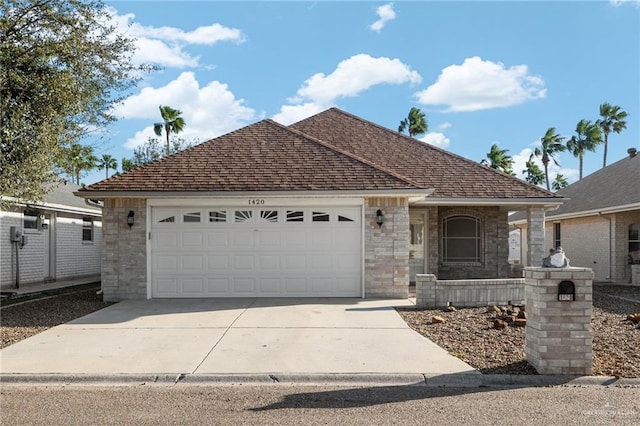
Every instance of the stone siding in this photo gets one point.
(124, 255)
(386, 248)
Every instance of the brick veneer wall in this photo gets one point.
(558, 335)
(432, 293)
(124, 255)
(386, 248)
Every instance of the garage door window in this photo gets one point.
(170, 219)
(191, 217)
(269, 216)
(344, 219)
(295, 216)
(320, 217)
(218, 216)
(243, 216)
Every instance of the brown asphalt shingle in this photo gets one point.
(265, 156)
(330, 151)
(452, 176)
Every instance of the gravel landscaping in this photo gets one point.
(467, 333)
(22, 320)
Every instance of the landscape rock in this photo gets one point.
(519, 322)
(450, 309)
(499, 324)
(522, 315)
(437, 319)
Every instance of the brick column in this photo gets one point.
(559, 339)
(535, 236)
(425, 291)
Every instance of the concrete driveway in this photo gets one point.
(208, 337)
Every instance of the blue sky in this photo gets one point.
(483, 72)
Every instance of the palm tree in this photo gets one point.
(172, 123)
(532, 172)
(587, 138)
(499, 160)
(77, 159)
(560, 182)
(415, 123)
(551, 145)
(107, 162)
(612, 121)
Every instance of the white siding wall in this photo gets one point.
(74, 256)
(7, 219)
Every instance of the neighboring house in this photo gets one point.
(598, 226)
(63, 239)
(514, 246)
(332, 206)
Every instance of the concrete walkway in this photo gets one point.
(202, 338)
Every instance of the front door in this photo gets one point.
(417, 246)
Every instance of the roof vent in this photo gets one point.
(632, 152)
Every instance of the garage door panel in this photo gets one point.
(320, 240)
(244, 286)
(248, 252)
(270, 286)
(217, 239)
(219, 263)
(270, 263)
(192, 240)
(193, 286)
(193, 263)
(167, 240)
(244, 262)
(295, 262)
(218, 286)
(165, 263)
(269, 240)
(243, 239)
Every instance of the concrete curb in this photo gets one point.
(465, 380)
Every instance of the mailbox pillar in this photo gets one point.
(559, 338)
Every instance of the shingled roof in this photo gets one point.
(613, 188)
(330, 151)
(265, 156)
(450, 175)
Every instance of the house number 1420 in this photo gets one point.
(256, 202)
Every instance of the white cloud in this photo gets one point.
(208, 111)
(444, 126)
(477, 85)
(386, 14)
(350, 78)
(617, 3)
(164, 46)
(436, 139)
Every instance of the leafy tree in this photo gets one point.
(107, 162)
(62, 67)
(560, 182)
(172, 123)
(415, 123)
(551, 145)
(612, 120)
(499, 160)
(152, 151)
(76, 161)
(127, 164)
(587, 138)
(533, 173)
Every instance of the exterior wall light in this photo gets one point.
(379, 217)
(130, 219)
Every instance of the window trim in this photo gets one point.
(90, 227)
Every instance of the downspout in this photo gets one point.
(610, 261)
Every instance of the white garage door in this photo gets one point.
(264, 252)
